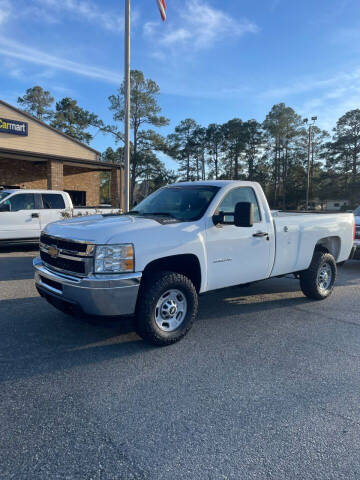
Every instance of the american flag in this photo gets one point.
(162, 8)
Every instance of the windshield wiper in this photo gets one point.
(151, 214)
(158, 214)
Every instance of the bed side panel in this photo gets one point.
(297, 235)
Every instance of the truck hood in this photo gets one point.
(103, 229)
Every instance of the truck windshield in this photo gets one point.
(357, 212)
(184, 203)
(3, 195)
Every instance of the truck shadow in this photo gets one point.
(19, 248)
(349, 273)
(16, 262)
(36, 339)
(16, 268)
(256, 298)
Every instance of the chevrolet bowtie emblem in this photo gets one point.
(53, 252)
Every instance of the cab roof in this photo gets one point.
(214, 183)
(25, 190)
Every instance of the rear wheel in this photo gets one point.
(166, 309)
(318, 281)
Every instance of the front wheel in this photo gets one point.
(167, 308)
(318, 280)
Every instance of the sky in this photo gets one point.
(213, 60)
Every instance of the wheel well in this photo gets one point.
(186, 264)
(330, 245)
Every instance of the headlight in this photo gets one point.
(114, 258)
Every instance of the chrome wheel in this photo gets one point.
(170, 310)
(324, 277)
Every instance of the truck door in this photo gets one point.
(237, 255)
(19, 217)
(52, 206)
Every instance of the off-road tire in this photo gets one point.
(309, 278)
(150, 293)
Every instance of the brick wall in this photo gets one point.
(21, 173)
(34, 175)
(82, 179)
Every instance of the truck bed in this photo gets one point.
(298, 233)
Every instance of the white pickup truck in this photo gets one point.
(24, 213)
(181, 241)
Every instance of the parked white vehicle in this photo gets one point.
(181, 241)
(25, 213)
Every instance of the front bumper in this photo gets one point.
(104, 295)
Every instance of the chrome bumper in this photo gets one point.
(105, 295)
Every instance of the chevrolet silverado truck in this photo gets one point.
(24, 213)
(181, 241)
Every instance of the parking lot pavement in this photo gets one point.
(265, 386)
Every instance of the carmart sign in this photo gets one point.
(14, 127)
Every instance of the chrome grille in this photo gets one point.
(67, 256)
(70, 246)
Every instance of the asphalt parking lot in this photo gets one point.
(265, 386)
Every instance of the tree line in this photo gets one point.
(273, 152)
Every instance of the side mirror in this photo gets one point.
(244, 214)
(5, 207)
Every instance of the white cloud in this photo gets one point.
(55, 11)
(306, 85)
(12, 49)
(85, 9)
(5, 10)
(199, 27)
(13, 69)
(177, 36)
(330, 106)
(343, 80)
(328, 98)
(207, 24)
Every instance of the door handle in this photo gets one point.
(260, 234)
(34, 215)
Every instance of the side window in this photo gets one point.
(53, 201)
(22, 201)
(241, 194)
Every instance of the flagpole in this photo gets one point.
(127, 104)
